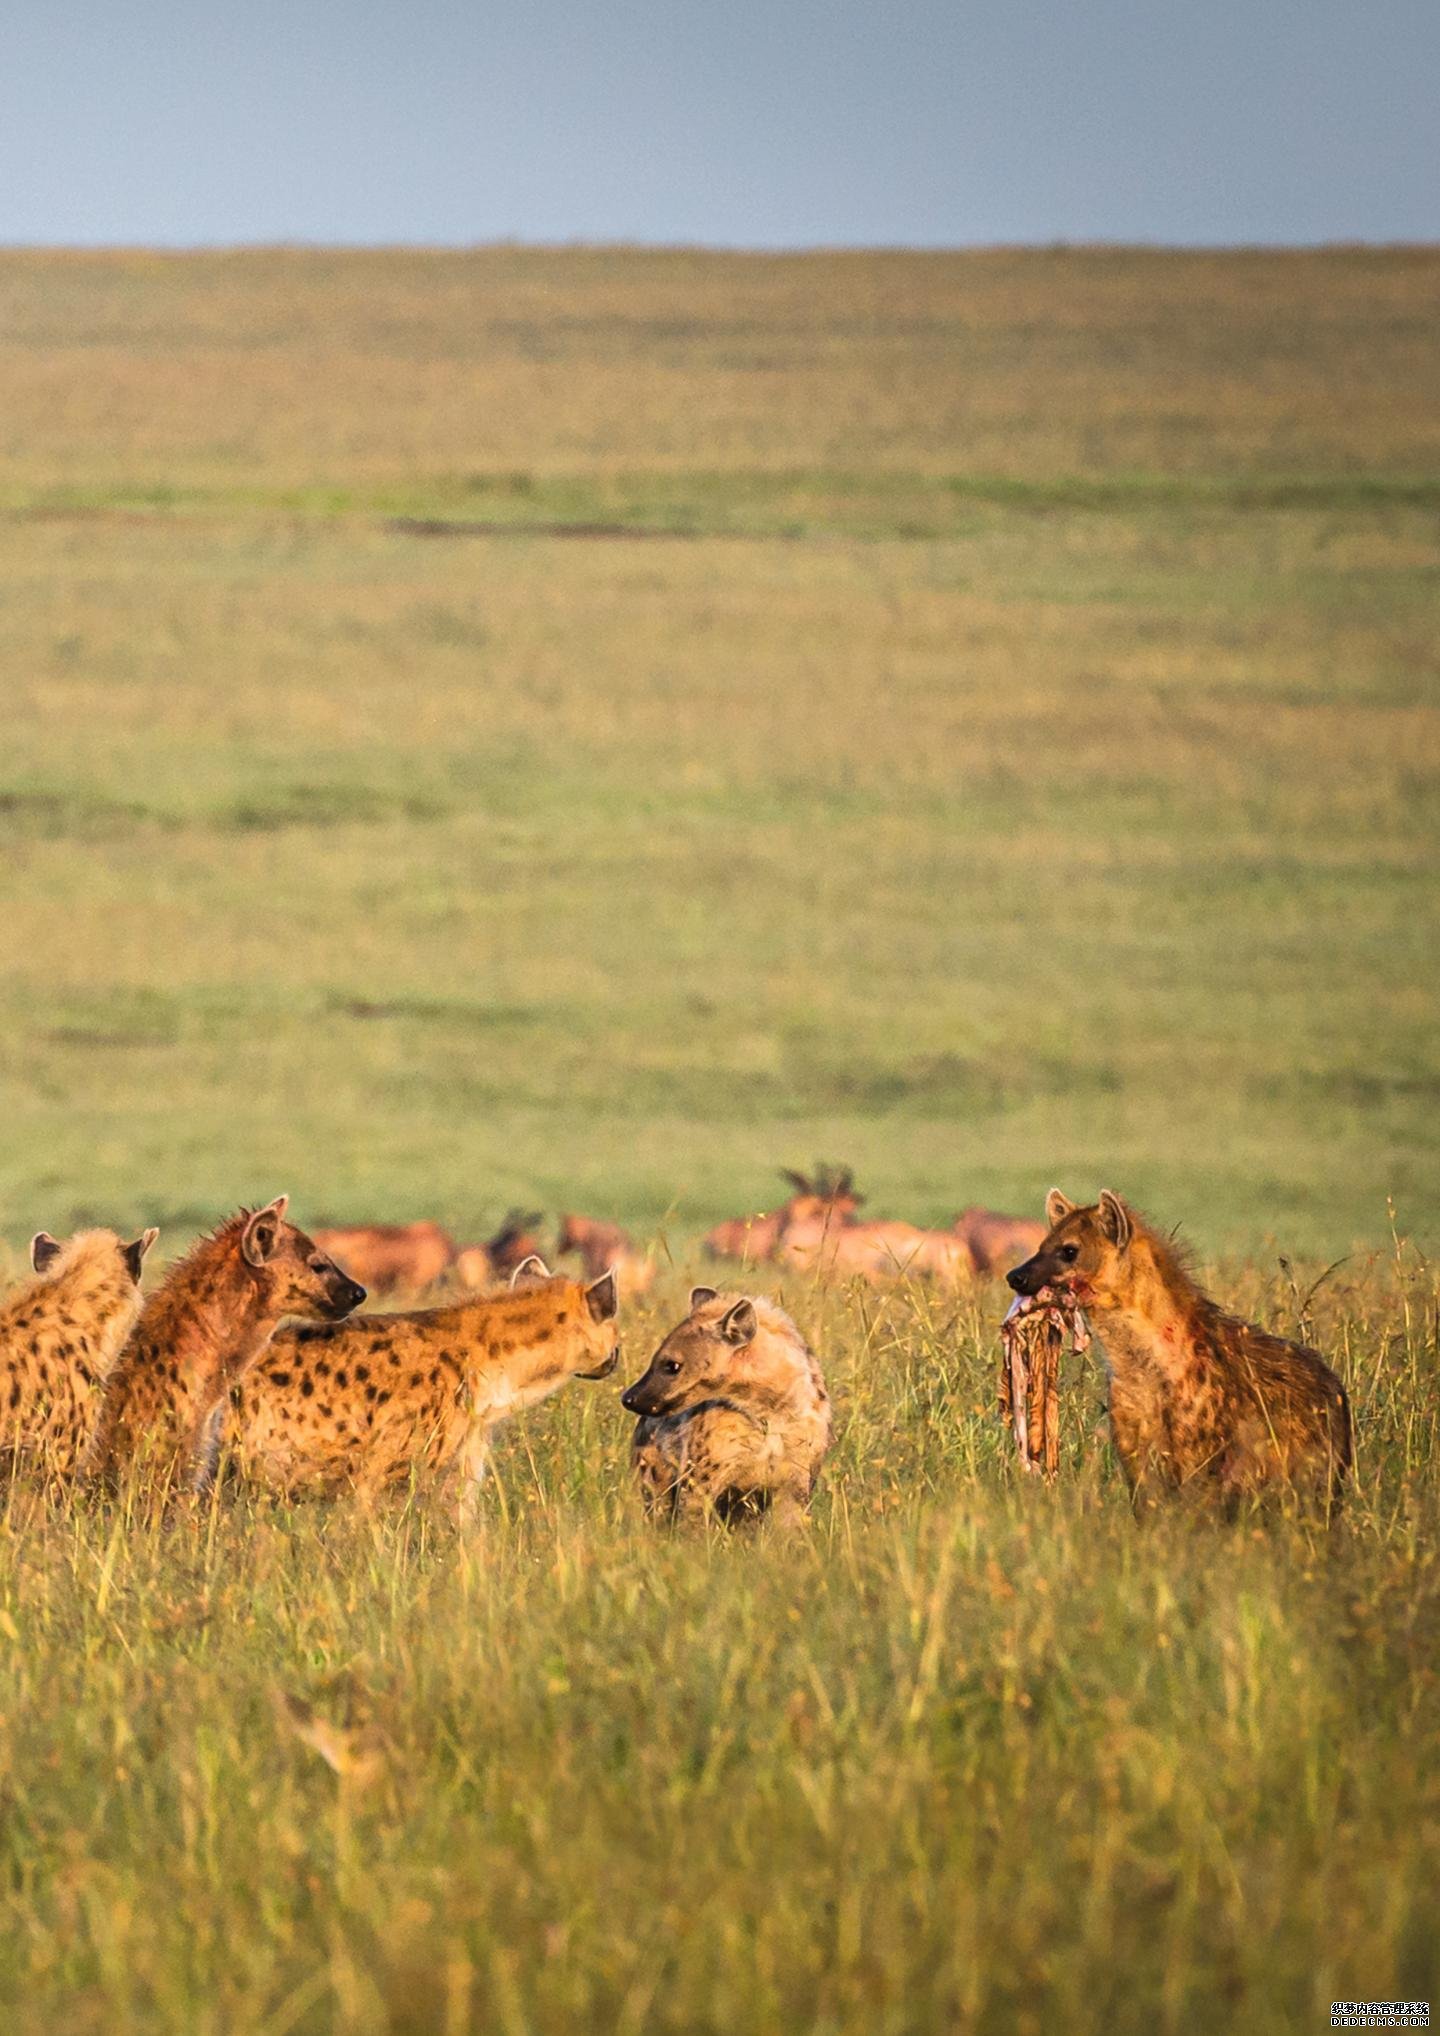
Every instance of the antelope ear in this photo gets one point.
(602, 1297)
(1058, 1207)
(1114, 1219)
(739, 1324)
(44, 1250)
(699, 1296)
(262, 1233)
(797, 1181)
(531, 1268)
(134, 1252)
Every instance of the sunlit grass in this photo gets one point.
(969, 1752)
(327, 371)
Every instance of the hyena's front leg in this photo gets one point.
(471, 1467)
(790, 1506)
(658, 1481)
(1149, 1487)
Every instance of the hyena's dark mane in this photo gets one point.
(1174, 1261)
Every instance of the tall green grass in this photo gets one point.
(969, 1754)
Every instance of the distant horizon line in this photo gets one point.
(776, 250)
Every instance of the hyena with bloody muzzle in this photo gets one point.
(1200, 1401)
(734, 1415)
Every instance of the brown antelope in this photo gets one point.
(997, 1242)
(515, 1241)
(387, 1256)
(605, 1247)
(756, 1239)
(878, 1252)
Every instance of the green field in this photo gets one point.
(587, 729)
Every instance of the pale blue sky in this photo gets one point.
(756, 123)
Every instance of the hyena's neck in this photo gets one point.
(781, 1372)
(1158, 1323)
(790, 1393)
(519, 1354)
(94, 1306)
(523, 1359)
(203, 1328)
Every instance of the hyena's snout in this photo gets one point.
(644, 1397)
(344, 1296)
(1028, 1278)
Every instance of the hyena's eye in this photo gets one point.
(670, 1366)
(1069, 1252)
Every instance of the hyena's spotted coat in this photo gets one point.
(197, 1334)
(60, 1334)
(1200, 1401)
(369, 1403)
(734, 1415)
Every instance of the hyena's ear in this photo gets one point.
(44, 1250)
(531, 1268)
(1058, 1207)
(739, 1324)
(262, 1233)
(134, 1252)
(699, 1296)
(1114, 1219)
(797, 1181)
(602, 1297)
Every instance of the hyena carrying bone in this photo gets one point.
(1200, 1401)
(369, 1402)
(734, 1416)
(198, 1334)
(60, 1334)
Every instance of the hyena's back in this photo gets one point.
(1292, 1415)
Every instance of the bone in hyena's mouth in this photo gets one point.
(1035, 1331)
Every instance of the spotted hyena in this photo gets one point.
(198, 1334)
(1199, 1400)
(368, 1403)
(60, 1334)
(734, 1416)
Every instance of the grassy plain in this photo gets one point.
(965, 1757)
(531, 727)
